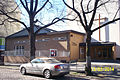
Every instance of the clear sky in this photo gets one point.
(46, 15)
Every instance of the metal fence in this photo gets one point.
(38, 53)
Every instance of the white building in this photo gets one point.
(107, 34)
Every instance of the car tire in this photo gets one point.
(47, 74)
(23, 71)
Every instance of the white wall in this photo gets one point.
(110, 33)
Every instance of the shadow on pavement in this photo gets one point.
(69, 78)
(108, 74)
(58, 77)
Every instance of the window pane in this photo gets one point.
(105, 52)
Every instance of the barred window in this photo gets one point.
(59, 38)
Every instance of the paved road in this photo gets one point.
(14, 74)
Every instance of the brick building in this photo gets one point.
(63, 45)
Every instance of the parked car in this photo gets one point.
(47, 67)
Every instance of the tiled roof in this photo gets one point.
(24, 32)
(46, 31)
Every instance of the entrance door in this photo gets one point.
(104, 52)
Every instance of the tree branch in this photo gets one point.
(31, 7)
(41, 7)
(105, 24)
(84, 16)
(26, 7)
(116, 13)
(94, 12)
(36, 4)
(97, 7)
(14, 9)
(14, 19)
(73, 3)
(53, 22)
(26, 3)
(81, 21)
(3, 21)
(88, 5)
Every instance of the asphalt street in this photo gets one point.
(14, 74)
(9, 72)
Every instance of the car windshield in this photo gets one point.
(51, 61)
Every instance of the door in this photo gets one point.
(37, 66)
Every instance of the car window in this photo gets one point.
(51, 61)
(37, 61)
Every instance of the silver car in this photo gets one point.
(47, 67)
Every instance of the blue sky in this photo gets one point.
(46, 15)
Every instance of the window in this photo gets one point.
(37, 61)
(36, 40)
(22, 47)
(81, 50)
(19, 50)
(18, 42)
(99, 54)
(110, 52)
(21, 42)
(17, 47)
(105, 52)
(95, 52)
(59, 38)
(53, 52)
(56, 38)
(39, 40)
(46, 39)
(51, 61)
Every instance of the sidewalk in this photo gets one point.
(80, 66)
(9, 67)
(12, 66)
(80, 72)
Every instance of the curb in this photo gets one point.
(10, 67)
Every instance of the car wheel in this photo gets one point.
(23, 71)
(47, 74)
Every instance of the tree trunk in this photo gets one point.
(88, 58)
(32, 39)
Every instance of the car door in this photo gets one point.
(32, 67)
(37, 66)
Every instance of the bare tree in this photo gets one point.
(33, 8)
(84, 9)
(5, 25)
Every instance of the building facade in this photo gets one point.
(62, 45)
(65, 45)
(106, 40)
